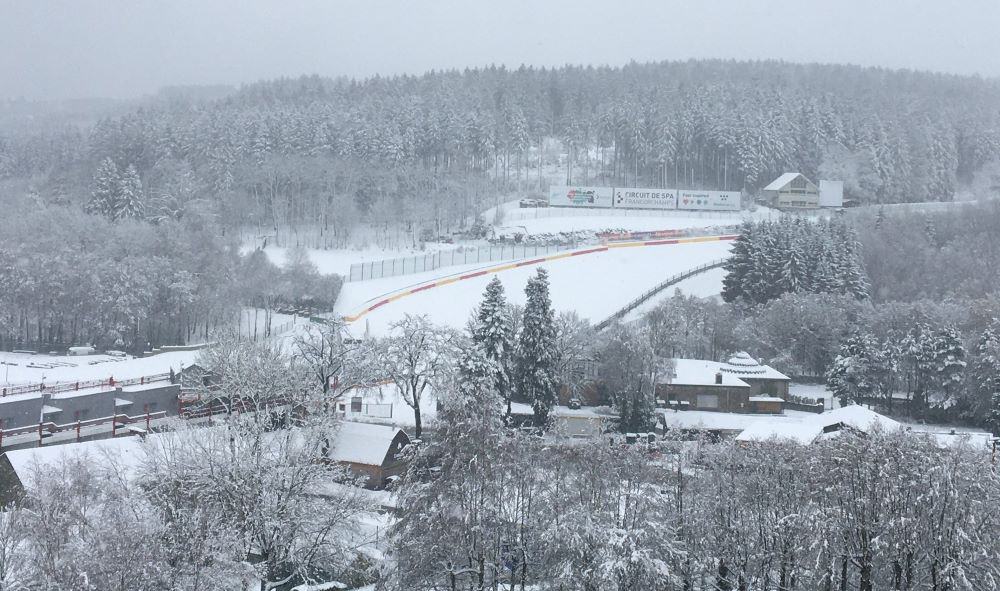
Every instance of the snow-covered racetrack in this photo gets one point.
(594, 285)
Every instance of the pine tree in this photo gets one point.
(536, 348)
(130, 200)
(986, 376)
(627, 370)
(493, 333)
(995, 408)
(739, 264)
(104, 199)
(864, 370)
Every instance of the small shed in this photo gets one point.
(370, 450)
(767, 404)
(792, 190)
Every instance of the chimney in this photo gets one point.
(718, 378)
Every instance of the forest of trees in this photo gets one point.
(71, 278)
(484, 509)
(919, 339)
(434, 149)
(793, 255)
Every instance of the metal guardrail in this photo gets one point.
(657, 289)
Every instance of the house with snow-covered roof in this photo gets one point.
(370, 450)
(740, 384)
(792, 190)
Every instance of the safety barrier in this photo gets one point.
(657, 289)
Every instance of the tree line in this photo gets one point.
(913, 345)
(331, 153)
(793, 255)
(70, 278)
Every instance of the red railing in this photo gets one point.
(57, 387)
(47, 429)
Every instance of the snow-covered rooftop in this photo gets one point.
(360, 443)
(701, 372)
(745, 366)
(363, 443)
(125, 452)
(807, 430)
(780, 182)
(800, 432)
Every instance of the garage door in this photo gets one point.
(708, 401)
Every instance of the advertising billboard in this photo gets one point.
(710, 200)
(646, 198)
(561, 196)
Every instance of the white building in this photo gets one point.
(792, 190)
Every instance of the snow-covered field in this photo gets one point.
(21, 368)
(544, 225)
(703, 285)
(594, 285)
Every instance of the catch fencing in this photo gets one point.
(462, 256)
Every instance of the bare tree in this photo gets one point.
(336, 360)
(14, 550)
(415, 356)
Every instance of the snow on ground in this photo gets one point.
(22, 368)
(814, 391)
(702, 285)
(384, 405)
(725, 421)
(560, 219)
(550, 224)
(594, 285)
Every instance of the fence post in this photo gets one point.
(78, 429)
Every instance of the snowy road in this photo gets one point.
(594, 284)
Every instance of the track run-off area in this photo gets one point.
(594, 282)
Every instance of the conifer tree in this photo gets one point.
(536, 349)
(129, 203)
(104, 199)
(492, 332)
(986, 374)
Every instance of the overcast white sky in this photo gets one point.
(127, 48)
